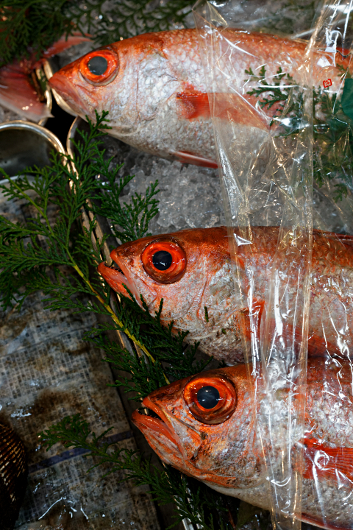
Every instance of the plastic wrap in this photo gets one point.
(280, 109)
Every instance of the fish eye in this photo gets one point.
(100, 67)
(97, 65)
(164, 261)
(210, 399)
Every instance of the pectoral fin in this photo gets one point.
(189, 158)
(234, 107)
(322, 461)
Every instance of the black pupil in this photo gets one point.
(208, 397)
(97, 65)
(162, 260)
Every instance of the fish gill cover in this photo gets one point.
(304, 103)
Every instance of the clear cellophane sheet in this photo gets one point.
(281, 98)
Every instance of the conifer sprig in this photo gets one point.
(172, 359)
(333, 141)
(276, 94)
(24, 257)
(130, 221)
(126, 18)
(333, 125)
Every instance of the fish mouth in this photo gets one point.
(117, 277)
(155, 428)
(65, 89)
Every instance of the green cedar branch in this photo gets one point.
(133, 219)
(279, 96)
(333, 124)
(172, 359)
(21, 249)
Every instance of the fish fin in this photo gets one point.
(16, 91)
(249, 321)
(322, 523)
(319, 346)
(192, 105)
(346, 239)
(188, 158)
(325, 462)
(17, 94)
(241, 109)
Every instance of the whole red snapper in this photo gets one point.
(205, 427)
(193, 273)
(153, 87)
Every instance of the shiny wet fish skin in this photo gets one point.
(156, 94)
(206, 280)
(221, 447)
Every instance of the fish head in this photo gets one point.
(205, 426)
(176, 268)
(129, 78)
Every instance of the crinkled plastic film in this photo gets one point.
(282, 111)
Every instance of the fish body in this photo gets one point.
(155, 92)
(17, 92)
(200, 293)
(219, 444)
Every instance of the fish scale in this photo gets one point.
(208, 282)
(227, 455)
(157, 99)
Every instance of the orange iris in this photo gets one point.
(225, 403)
(164, 261)
(100, 66)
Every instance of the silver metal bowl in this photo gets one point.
(78, 123)
(24, 144)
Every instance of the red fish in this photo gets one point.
(205, 427)
(192, 272)
(18, 93)
(153, 87)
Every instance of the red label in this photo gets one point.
(327, 83)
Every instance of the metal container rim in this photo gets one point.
(71, 135)
(37, 129)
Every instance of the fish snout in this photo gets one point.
(186, 441)
(65, 88)
(115, 277)
(157, 432)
